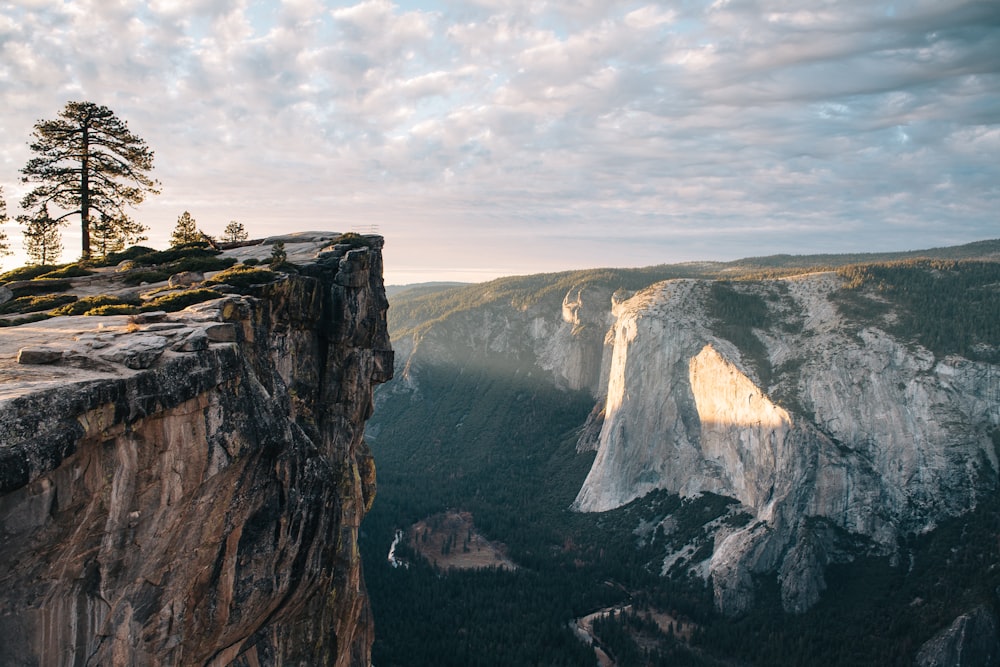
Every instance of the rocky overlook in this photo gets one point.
(186, 487)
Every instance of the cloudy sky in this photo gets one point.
(492, 137)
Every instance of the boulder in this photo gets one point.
(185, 278)
(137, 351)
(196, 341)
(221, 333)
(38, 355)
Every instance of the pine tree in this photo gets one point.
(4, 241)
(278, 254)
(108, 234)
(87, 159)
(186, 231)
(42, 237)
(234, 233)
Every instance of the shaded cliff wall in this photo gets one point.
(204, 510)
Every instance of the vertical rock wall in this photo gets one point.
(203, 511)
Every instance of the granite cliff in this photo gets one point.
(187, 488)
(853, 433)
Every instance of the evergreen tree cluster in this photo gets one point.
(87, 164)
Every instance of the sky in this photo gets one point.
(486, 137)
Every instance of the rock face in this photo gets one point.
(853, 435)
(194, 498)
(565, 343)
(973, 640)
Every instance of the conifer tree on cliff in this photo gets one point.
(185, 231)
(42, 240)
(4, 241)
(86, 162)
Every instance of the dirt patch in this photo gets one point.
(449, 540)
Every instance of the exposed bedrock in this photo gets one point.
(204, 509)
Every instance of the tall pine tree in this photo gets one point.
(87, 160)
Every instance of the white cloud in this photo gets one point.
(758, 124)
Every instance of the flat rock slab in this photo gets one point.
(137, 351)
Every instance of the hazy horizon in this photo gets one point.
(493, 138)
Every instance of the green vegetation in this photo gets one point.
(149, 277)
(949, 307)
(88, 305)
(27, 272)
(75, 270)
(243, 276)
(85, 159)
(495, 439)
(32, 304)
(186, 231)
(234, 232)
(41, 286)
(354, 240)
(180, 300)
(736, 313)
(487, 435)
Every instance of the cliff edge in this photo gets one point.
(187, 488)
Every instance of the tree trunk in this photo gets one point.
(85, 193)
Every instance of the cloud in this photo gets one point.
(731, 127)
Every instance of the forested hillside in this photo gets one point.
(484, 430)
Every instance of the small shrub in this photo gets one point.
(113, 309)
(151, 276)
(278, 254)
(201, 263)
(26, 272)
(133, 253)
(31, 304)
(41, 286)
(68, 271)
(86, 305)
(180, 300)
(242, 276)
(171, 255)
(354, 240)
(251, 261)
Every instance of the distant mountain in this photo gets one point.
(418, 289)
(820, 413)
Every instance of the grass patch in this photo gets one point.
(353, 239)
(150, 276)
(243, 276)
(87, 305)
(41, 286)
(68, 271)
(27, 272)
(32, 304)
(113, 309)
(180, 300)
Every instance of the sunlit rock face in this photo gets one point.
(203, 510)
(871, 437)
